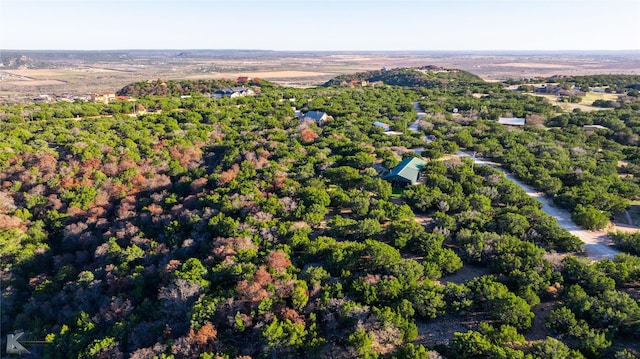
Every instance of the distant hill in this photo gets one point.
(426, 76)
(18, 62)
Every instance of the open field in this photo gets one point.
(37, 83)
(528, 65)
(584, 105)
(99, 71)
(292, 78)
(590, 97)
(265, 74)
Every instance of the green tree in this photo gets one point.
(401, 232)
(193, 270)
(362, 342)
(367, 227)
(410, 351)
(551, 348)
(590, 217)
(281, 334)
(315, 214)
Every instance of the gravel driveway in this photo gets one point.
(597, 243)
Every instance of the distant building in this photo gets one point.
(541, 89)
(382, 125)
(511, 121)
(65, 97)
(317, 116)
(103, 98)
(43, 98)
(597, 127)
(233, 92)
(559, 91)
(406, 172)
(360, 83)
(243, 79)
(563, 92)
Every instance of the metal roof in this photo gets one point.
(511, 121)
(315, 115)
(381, 124)
(408, 169)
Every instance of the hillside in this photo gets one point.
(17, 62)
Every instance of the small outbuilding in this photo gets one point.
(596, 127)
(511, 121)
(406, 172)
(382, 125)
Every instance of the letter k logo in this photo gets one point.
(13, 346)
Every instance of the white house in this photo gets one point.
(511, 121)
(317, 116)
(382, 125)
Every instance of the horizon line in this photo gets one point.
(307, 50)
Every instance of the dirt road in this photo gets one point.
(415, 125)
(597, 243)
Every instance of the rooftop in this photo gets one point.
(511, 121)
(315, 115)
(408, 169)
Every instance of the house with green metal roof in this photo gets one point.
(406, 172)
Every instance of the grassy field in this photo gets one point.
(590, 97)
(584, 105)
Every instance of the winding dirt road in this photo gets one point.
(597, 243)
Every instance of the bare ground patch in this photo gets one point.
(538, 65)
(622, 227)
(36, 73)
(467, 272)
(539, 329)
(440, 331)
(555, 258)
(261, 75)
(422, 218)
(21, 83)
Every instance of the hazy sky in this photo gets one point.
(321, 25)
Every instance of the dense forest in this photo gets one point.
(230, 228)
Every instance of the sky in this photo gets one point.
(328, 25)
